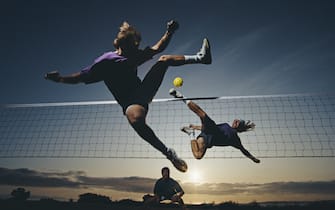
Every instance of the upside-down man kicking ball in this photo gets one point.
(213, 134)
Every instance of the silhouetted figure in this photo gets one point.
(165, 188)
(20, 194)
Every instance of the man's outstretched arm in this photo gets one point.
(195, 127)
(70, 79)
(249, 155)
(172, 26)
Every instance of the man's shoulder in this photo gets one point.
(110, 56)
(224, 126)
(165, 180)
(147, 52)
(159, 180)
(172, 181)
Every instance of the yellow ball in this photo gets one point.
(178, 82)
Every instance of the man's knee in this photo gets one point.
(150, 199)
(165, 60)
(198, 153)
(136, 115)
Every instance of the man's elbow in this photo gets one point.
(156, 49)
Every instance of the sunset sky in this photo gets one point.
(259, 47)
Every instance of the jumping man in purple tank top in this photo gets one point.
(118, 70)
(213, 134)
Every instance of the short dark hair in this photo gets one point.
(165, 168)
(129, 35)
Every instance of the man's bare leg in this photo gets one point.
(136, 115)
(198, 148)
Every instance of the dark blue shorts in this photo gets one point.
(208, 130)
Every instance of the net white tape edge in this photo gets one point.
(81, 103)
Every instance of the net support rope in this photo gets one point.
(299, 125)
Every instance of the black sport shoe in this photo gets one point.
(53, 76)
(173, 92)
(176, 161)
(187, 130)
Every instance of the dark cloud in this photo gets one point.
(317, 187)
(310, 187)
(28, 177)
(128, 184)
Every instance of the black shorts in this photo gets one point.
(125, 86)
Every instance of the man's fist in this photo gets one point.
(172, 26)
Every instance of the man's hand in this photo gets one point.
(172, 26)
(53, 76)
(195, 127)
(175, 197)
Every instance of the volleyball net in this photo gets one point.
(299, 125)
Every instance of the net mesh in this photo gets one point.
(286, 126)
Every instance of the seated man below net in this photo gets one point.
(165, 188)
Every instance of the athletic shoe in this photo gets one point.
(205, 52)
(175, 93)
(187, 130)
(176, 161)
(53, 76)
